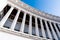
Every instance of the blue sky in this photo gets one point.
(48, 6)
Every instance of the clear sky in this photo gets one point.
(48, 6)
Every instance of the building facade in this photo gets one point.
(20, 19)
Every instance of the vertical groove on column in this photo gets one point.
(6, 17)
(57, 30)
(49, 34)
(15, 20)
(23, 23)
(36, 27)
(53, 32)
(42, 28)
(30, 25)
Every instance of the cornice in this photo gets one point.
(35, 11)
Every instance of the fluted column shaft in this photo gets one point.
(6, 17)
(30, 25)
(36, 27)
(23, 23)
(57, 30)
(53, 32)
(42, 28)
(15, 20)
(48, 31)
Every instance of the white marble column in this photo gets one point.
(30, 25)
(36, 27)
(42, 29)
(48, 31)
(57, 30)
(23, 23)
(2, 22)
(15, 20)
(53, 32)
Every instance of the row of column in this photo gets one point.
(2, 22)
(43, 31)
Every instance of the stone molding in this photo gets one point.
(2, 29)
(33, 10)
